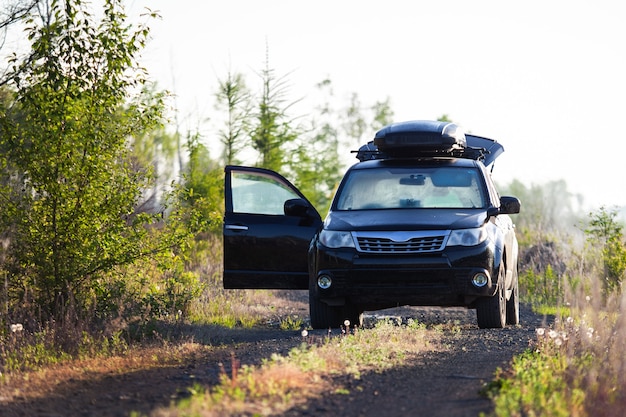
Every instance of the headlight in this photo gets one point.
(335, 239)
(467, 237)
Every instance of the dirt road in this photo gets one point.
(443, 382)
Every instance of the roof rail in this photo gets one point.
(370, 151)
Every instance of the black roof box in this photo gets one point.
(420, 138)
(423, 138)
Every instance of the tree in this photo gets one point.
(548, 208)
(154, 152)
(382, 114)
(354, 124)
(233, 95)
(272, 131)
(66, 135)
(202, 195)
(12, 12)
(315, 162)
(355, 119)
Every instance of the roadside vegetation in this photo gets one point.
(306, 372)
(576, 366)
(110, 231)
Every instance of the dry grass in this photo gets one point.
(306, 372)
(43, 382)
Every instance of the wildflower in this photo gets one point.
(305, 333)
(540, 331)
(17, 327)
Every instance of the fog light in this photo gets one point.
(480, 279)
(324, 282)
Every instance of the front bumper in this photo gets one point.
(386, 280)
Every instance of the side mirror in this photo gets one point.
(509, 205)
(297, 207)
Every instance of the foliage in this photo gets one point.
(234, 95)
(604, 230)
(315, 163)
(536, 385)
(13, 11)
(575, 367)
(201, 194)
(154, 151)
(71, 207)
(272, 131)
(541, 288)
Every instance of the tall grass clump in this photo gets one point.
(576, 366)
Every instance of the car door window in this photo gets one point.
(256, 193)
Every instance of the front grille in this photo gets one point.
(424, 244)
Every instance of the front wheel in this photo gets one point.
(512, 305)
(324, 316)
(491, 311)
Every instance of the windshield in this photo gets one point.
(418, 187)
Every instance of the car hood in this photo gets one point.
(409, 219)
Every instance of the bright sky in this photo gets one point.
(547, 79)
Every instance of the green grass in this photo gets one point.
(536, 385)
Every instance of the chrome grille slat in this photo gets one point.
(414, 245)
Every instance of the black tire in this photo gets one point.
(512, 305)
(491, 311)
(324, 316)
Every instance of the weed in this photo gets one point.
(291, 323)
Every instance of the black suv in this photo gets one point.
(417, 221)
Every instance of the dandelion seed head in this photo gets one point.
(558, 341)
(588, 298)
(552, 334)
(346, 323)
(569, 319)
(17, 327)
(540, 331)
(304, 333)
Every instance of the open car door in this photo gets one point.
(268, 226)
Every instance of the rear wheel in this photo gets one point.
(491, 312)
